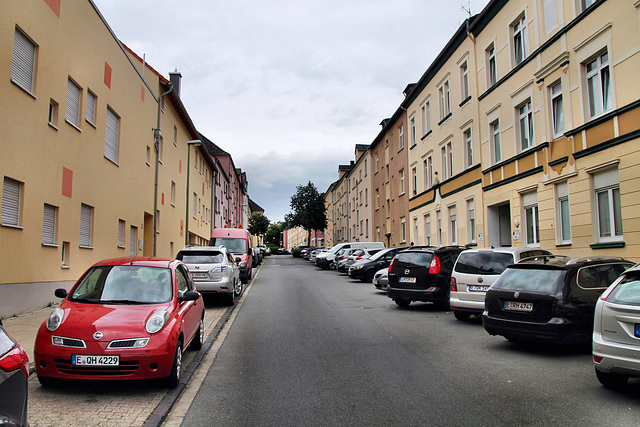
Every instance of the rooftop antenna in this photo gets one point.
(468, 8)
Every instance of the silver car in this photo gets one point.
(213, 270)
(616, 331)
(381, 279)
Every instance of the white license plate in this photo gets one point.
(89, 360)
(518, 306)
(478, 288)
(199, 275)
(408, 279)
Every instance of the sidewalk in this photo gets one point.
(24, 329)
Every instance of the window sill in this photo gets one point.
(91, 123)
(65, 267)
(24, 89)
(50, 245)
(607, 245)
(444, 119)
(85, 247)
(563, 245)
(122, 247)
(73, 125)
(18, 227)
(426, 135)
(53, 126)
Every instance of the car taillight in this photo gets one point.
(224, 267)
(14, 360)
(454, 285)
(434, 268)
(391, 265)
(597, 359)
(606, 293)
(358, 257)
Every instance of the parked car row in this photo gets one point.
(522, 294)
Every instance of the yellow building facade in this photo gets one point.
(78, 154)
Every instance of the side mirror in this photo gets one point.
(238, 260)
(189, 296)
(61, 293)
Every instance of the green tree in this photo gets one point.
(309, 211)
(258, 225)
(272, 237)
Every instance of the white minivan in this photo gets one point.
(324, 259)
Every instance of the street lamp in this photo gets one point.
(195, 143)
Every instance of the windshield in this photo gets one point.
(545, 281)
(6, 343)
(124, 284)
(235, 245)
(201, 257)
(489, 263)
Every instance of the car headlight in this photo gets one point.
(357, 267)
(156, 321)
(55, 319)
(243, 264)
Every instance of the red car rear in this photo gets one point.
(125, 318)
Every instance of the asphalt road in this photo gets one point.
(312, 347)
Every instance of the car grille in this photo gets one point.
(122, 344)
(126, 368)
(71, 342)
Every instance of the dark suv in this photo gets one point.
(549, 298)
(365, 269)
(422, 273)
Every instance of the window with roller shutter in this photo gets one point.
(49, 225)
(86, 224)
(111, 136)
(11, 193)
(24, 61)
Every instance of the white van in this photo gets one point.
(324, 259)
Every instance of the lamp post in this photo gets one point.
(195, 143)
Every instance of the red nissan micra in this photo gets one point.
(125, 318)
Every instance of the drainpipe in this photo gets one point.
(157, 134)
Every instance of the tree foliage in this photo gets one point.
(308, 210)
(258, 224)
(272, 237)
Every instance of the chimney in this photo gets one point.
(175, 78)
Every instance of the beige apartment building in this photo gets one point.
(78, 159)
(559, 108)
(359, 184)
(444, 175)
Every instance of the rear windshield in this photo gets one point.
(487, 263)
(237, 245)
(201, 257)
(546, 281)
(627, 291)
(6, 343)
(422, 259)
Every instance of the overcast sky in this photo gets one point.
(289, 87)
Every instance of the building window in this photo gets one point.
(133, 241)
(468, 148)
(400, 137)
(445, 100)
(492, 72)
(388, 208)
(464, 81)
(112, 129)
(608, 208)
(471, 221)
(586, 4)
(531, 226)
(173, 193)
(195, 206)
(378, 234)
(525, 133)
(439, 227)
(377, 199)
(23, 66)
(11, 202)
(90, 113)
(53, 113)
(564, 218)
(447, 160)
(366, 197)
(557, 110)
(427, 230)
(519, 31)
(496, 147)
(414, 180)
(401, 182)
(74, 99)
(86, 225)
(598, 85)
(426, 118)
(453, 225)
(550, 15)
(121, 225)
(428, 172)
(413, 131)
(49, 224)
(377, 163)
(403, 229)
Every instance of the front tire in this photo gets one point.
(368, 277)
(176, 369)
(611, 380)
(461, 315)
(196, 343)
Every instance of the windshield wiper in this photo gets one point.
(85, 300)
(121, 301)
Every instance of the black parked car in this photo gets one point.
(14, 376)
(422, 273)
(367, 268)
(549, 298)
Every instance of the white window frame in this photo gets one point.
(471, 221)
(428, 172)
(563, 213)
(426, 117)
(531, 221)
(467, 140)
(73, 106)
(11, 215)
(427, 229)
(23, 66)
(111, 136)
(86, 225)
(557, 109)
(49, 215)
(525, 125)
(400, 137)
(599, 90)
(401, 175)
(464, 81)
(519, 39)
(414, 180)
(90, 110)
(550, 15)
(496, 141)
(412, 123)
(447, 159)
(403, 229)
(492, 69)
(453, 225)
(607, 183)
(444, 95)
